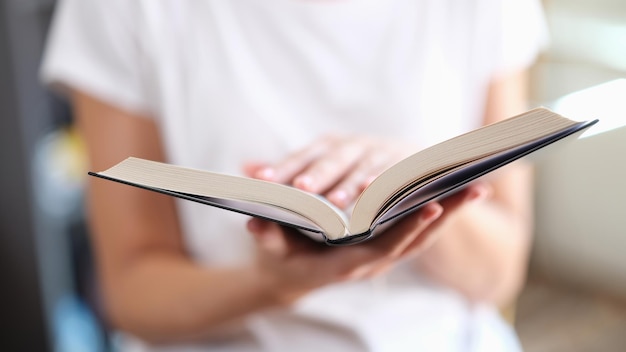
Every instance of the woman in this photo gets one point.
(321, 95)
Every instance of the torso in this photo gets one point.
(253, 80)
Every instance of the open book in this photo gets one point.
(429, 174)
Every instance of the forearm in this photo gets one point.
(482, 252)
(165, 298)
(151, 288)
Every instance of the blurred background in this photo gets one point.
(575, 298)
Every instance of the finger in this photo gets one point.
(471, 192)
(281, 240)
(451, 204)
(251, 168)
(391, 244)
(285, 171)
(345, 192)
(368, 181)
(268, 236)
(479, 190)
(327, 170)
(379, 163)
(414, 224)
(423, 241)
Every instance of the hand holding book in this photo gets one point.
(296, 264)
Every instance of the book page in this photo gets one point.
(266, 211)
(504, 135)
(233, 192)
(455, 178)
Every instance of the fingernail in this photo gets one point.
(339, 197)
(266, 173)
(253, 225)
(304, 182)
(369, 181)
(476, 193)
(431, 212)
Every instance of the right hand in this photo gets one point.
(291, 265)
(338, 167)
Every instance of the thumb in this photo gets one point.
(269, 236)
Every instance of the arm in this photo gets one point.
(482, 250)
(154, 290)
(150, 286)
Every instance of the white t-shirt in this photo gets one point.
(230, 81)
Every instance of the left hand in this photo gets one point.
(335, 166)
(290, 264)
